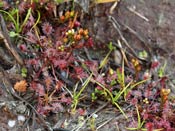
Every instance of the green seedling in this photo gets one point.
(93, 96)
(110, 95)
(24, 72)
(121, 76)
(121, 81)
(76, 96)
(114, 97)
(92, 122)
(161, 71)
(14, 17)
(143, 55)
(105, 60)
(106, 91)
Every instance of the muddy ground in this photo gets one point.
(149, 27)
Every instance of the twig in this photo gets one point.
(138, 36)
(87, 53)
(115, 24)
(123, 53)
(28, 118)
(104, 123)
(132, 9)
(118, 114)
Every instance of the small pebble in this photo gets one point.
(117, 57)
(11, 123)
(21, 118)
(21, 108)
(95, 116)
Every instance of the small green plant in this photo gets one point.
(92, 122)
(143, 54)
(105, 60)
(93, 96)
(161, 71)
(112, 98)
(14, 17)
(124, 88)
(24, 72)
(76, 95)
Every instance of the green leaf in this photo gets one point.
(93, 96)
(143, 54)
(161, 71)
(105, 60)
(110, 46)
(113, 82)
(13, 34)
(24, 72)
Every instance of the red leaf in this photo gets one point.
(149, 126)
(90, 43)
(38, 88)
(65, 99)
(80, 73)
(23, 47)
(62, 64)
(82, 112)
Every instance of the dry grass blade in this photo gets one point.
(105, 1)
